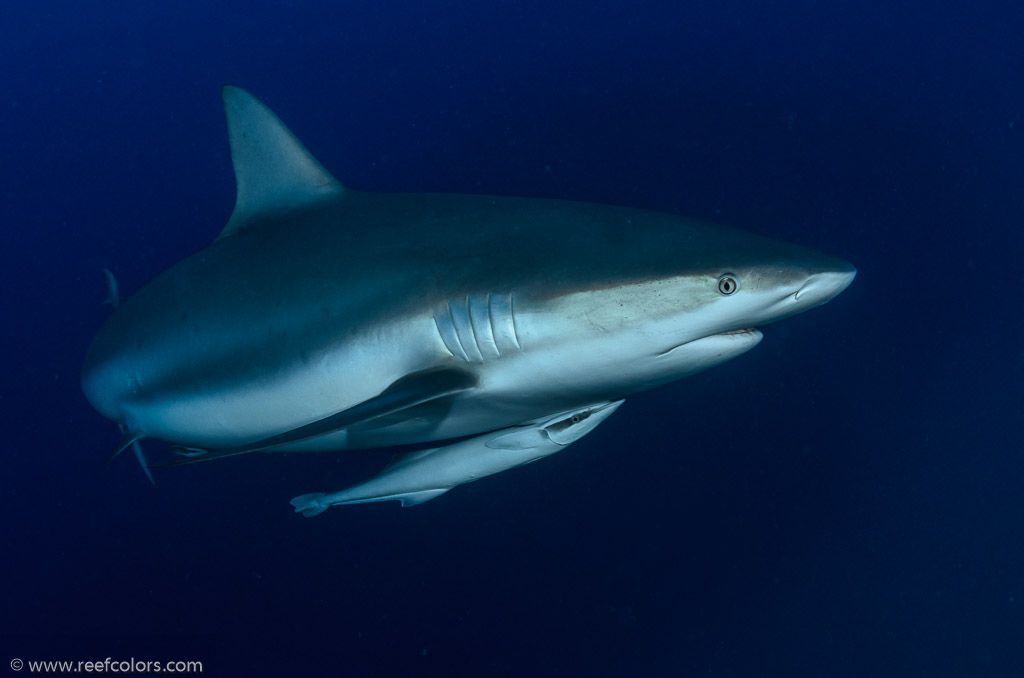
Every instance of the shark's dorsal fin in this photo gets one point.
(274, 172)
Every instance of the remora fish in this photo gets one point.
(415, 477)
(323, 318)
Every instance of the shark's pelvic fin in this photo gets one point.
(273, 170)
(409, 391)
(137, 448)
(128, 437)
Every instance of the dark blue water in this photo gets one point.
(842, 501)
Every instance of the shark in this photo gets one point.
(324, 318)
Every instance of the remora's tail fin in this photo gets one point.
(310, 504)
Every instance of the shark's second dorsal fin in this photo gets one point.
(273, 170)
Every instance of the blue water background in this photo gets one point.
(845, 500)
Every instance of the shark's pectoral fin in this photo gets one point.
(409, 391)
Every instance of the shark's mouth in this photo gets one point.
(752, 333)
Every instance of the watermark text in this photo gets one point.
(108, 665)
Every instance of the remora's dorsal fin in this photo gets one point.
(273, 170)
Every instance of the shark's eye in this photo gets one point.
(727, 285)
(576, 419)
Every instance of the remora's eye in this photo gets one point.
(728, 284)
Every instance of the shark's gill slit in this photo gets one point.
(480, 321)
(454, 317)
(440, 334)
(473, 340)
(450, 338)
(499, 311)
(512, 318)
(464, 330)
(490, 323)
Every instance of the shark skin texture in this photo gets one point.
(327, 319)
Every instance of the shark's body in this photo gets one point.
(328, 319)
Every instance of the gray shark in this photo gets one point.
(323, 318)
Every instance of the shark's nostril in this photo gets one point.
(821, 287)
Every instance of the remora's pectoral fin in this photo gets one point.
(273, 170)
(519, 439)
(409, 391)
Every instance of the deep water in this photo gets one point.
(844, 500)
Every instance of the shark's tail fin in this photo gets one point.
(310, 504)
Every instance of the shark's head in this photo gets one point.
(740, 281)
(684, 297)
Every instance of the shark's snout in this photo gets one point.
(823, 286)
(811, 279)
(101, 387)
